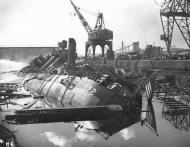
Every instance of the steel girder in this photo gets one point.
(175, 11)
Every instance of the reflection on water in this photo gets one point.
(57, 140)
(107, 128)
(150, 120)
(180, 121)
(174, 92)
(62, 141)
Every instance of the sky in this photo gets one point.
(47, 22)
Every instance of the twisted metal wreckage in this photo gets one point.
(79, 91)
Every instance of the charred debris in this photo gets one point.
(77, 85)
(77, 90)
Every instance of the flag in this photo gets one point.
(149, 87)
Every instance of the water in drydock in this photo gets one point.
(167, 129)
(8, 69)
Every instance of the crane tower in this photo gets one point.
(178, 12)
(97, 36)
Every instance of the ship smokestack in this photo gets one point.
(72, 53)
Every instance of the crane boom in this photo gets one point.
(97, 36)
(82, 19)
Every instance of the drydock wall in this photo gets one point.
(24, 53)
(158, 64)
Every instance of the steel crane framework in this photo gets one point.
(175, 11)
(97, 36)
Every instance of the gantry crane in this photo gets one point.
(97, 36)
(175, 11)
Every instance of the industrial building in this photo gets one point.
(24, 53)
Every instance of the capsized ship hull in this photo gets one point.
(72, 91)
(76, 91)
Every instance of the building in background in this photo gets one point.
(24, 53)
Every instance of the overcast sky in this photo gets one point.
(46, 22)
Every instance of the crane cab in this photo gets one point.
(103, 34)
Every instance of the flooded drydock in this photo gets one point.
(134, 98)
(164, 122)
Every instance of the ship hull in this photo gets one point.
(67, 91)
